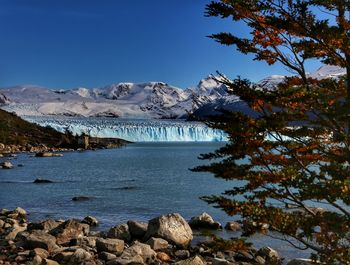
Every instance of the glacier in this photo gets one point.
(141, 130)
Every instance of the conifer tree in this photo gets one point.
(293, 156)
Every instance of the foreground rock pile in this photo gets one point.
(164, 240)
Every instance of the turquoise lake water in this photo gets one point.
(139, 181)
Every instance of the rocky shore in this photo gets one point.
(163, 240)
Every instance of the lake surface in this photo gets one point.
(139, 181)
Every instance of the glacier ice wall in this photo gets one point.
(134, 130)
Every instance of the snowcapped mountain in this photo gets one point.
(127, 100)
(135, 100)
(270, 82)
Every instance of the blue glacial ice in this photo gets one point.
(134, 130)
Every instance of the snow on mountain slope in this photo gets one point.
(270, 82)
(328, 71)
(143, 100)
(134, 100)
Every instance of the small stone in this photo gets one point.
(134, 260)
(157, 243)
(163, 256)
(196, 260)
(232, 226)
(268, 253)
(219, 261)
(49, 262)
(6, 165)
(63, 257)
(79, 256)
(90, 220)
(110, 245)
(106, 256)
(39, 252)
(204, 221)
(37, 260)
(260, 260)
(182, 254)
(20, 211)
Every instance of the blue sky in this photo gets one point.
(92, 43)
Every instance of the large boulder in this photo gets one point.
(40, 239)
(172, 227)
(120, 232)
(111, 245)
(137, 229)
(69, 230)
(204, 221)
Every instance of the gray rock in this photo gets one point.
(63, 257)
(218, 261)
(85, 241)
(90, 220)
(79, 256)
(49, 262)
(40, 239)
(182, 254)
(260, 260)
(135, 260)
(106, 256)
(42, 253)
(115, 246)
(120, 232)
(6, 165)
(268, 253)
(232, 226)
(137, 229)
(196, 260)
(20, 211)
(143, 250)
(171, 227)
(157, 243)
(204, 221)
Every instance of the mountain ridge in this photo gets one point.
(133, 100)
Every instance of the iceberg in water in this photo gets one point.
(134, 130)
